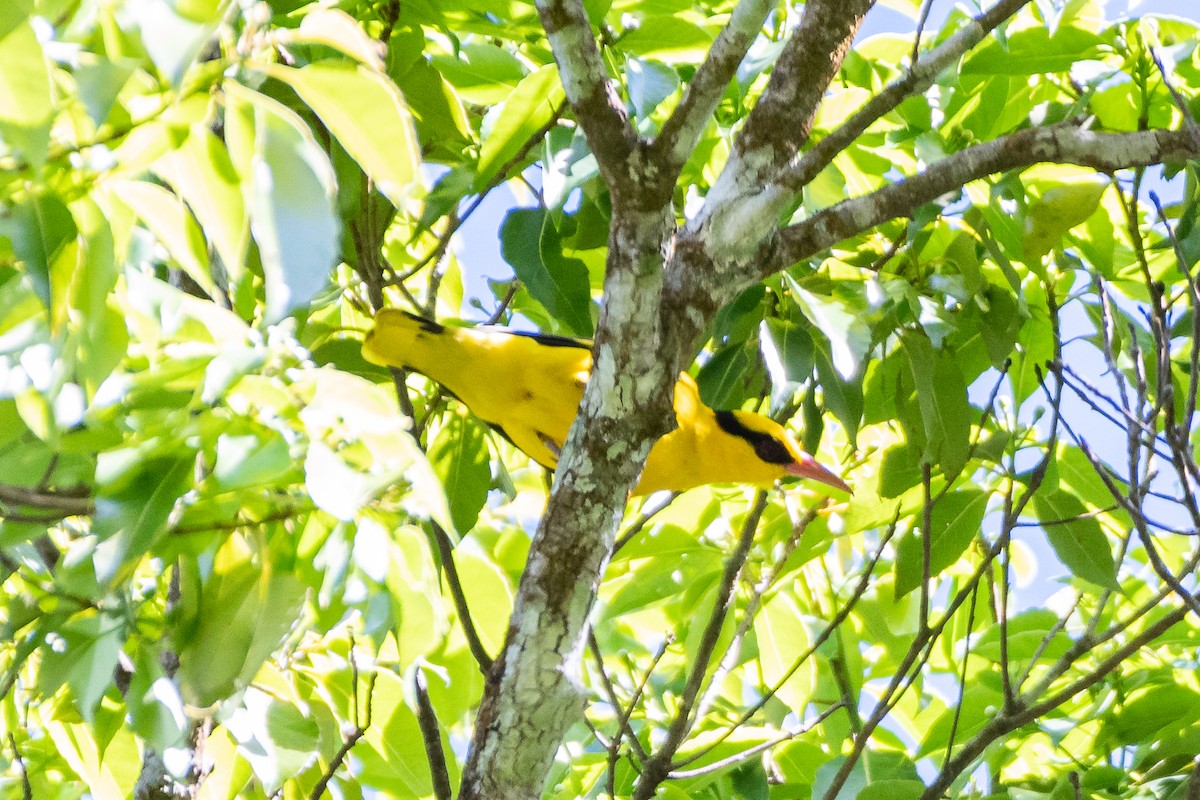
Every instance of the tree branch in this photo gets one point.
(658, 767)
(782, 119)
(533, 687)
(431, 734)
(67, 503)
(593, 99)
(1062, 144)
(679, 134)
(742, 208)
(919, 77)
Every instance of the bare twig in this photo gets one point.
(746, 755)
(588, 88)
(704, 91)
(362, 721)
(431, 734)
(1064, 144)
(19, 763)
(470, 633)
(920, 75)
(657, 768)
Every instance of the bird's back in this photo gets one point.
(528, 386)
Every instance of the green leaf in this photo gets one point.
(900, 469)
(980, 702)
(526, 110)
(367, 114)
(1077, 539)
(1151, 711)
(1000, 324)
(170, 222)
(439, 114)
(171, 40)
(459, 455)
(531, 244)
(787, 350)
(201, 172)
(278, 738)
(667, 38)
(83, 654)
(290, 192)
(100, 82)
(489, 594)
(337, 29)
(650, 82)
(248, 460)
(135, 498)
(39, 229)
(843, 397)
(1060, 208)
(1077, 475)
(1026, 634)
(782, 639)
(482, 73)
(392, 752)
(955, 522)
(848, 332)
(1036, 50)
(945, 413)
(873, 767)
(156, 710)
(25, 103)
(239, 618)
(414, 587)
(338, 488)
(725, 381)
(892, 790)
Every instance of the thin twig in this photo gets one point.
(658, 766)
(458, 220)
(359, 730)
(746, 755)
(431, 734)
(19, 763)
(962, 679)
(474, 642)
(834, 623)
(926, 543)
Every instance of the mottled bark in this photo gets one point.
(662, 288)
(1061, 144)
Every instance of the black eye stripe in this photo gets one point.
(766, 446)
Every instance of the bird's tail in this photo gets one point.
(403, 340)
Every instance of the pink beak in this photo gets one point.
(808, 467)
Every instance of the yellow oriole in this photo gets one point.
(528, 387)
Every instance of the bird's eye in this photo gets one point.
(772, 451)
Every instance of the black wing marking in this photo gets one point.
(553, 340)
(547, 339)
(427, 325)
(551, 445)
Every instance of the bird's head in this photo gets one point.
(775, 447)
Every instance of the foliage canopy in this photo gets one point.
(228, 562)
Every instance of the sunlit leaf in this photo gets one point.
(25, 104)
(782, 639)
(531, 244)
(955, 522)
(525, 110)
(1076, 537)
(365, 111)
(289, 189)
(460, 457)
